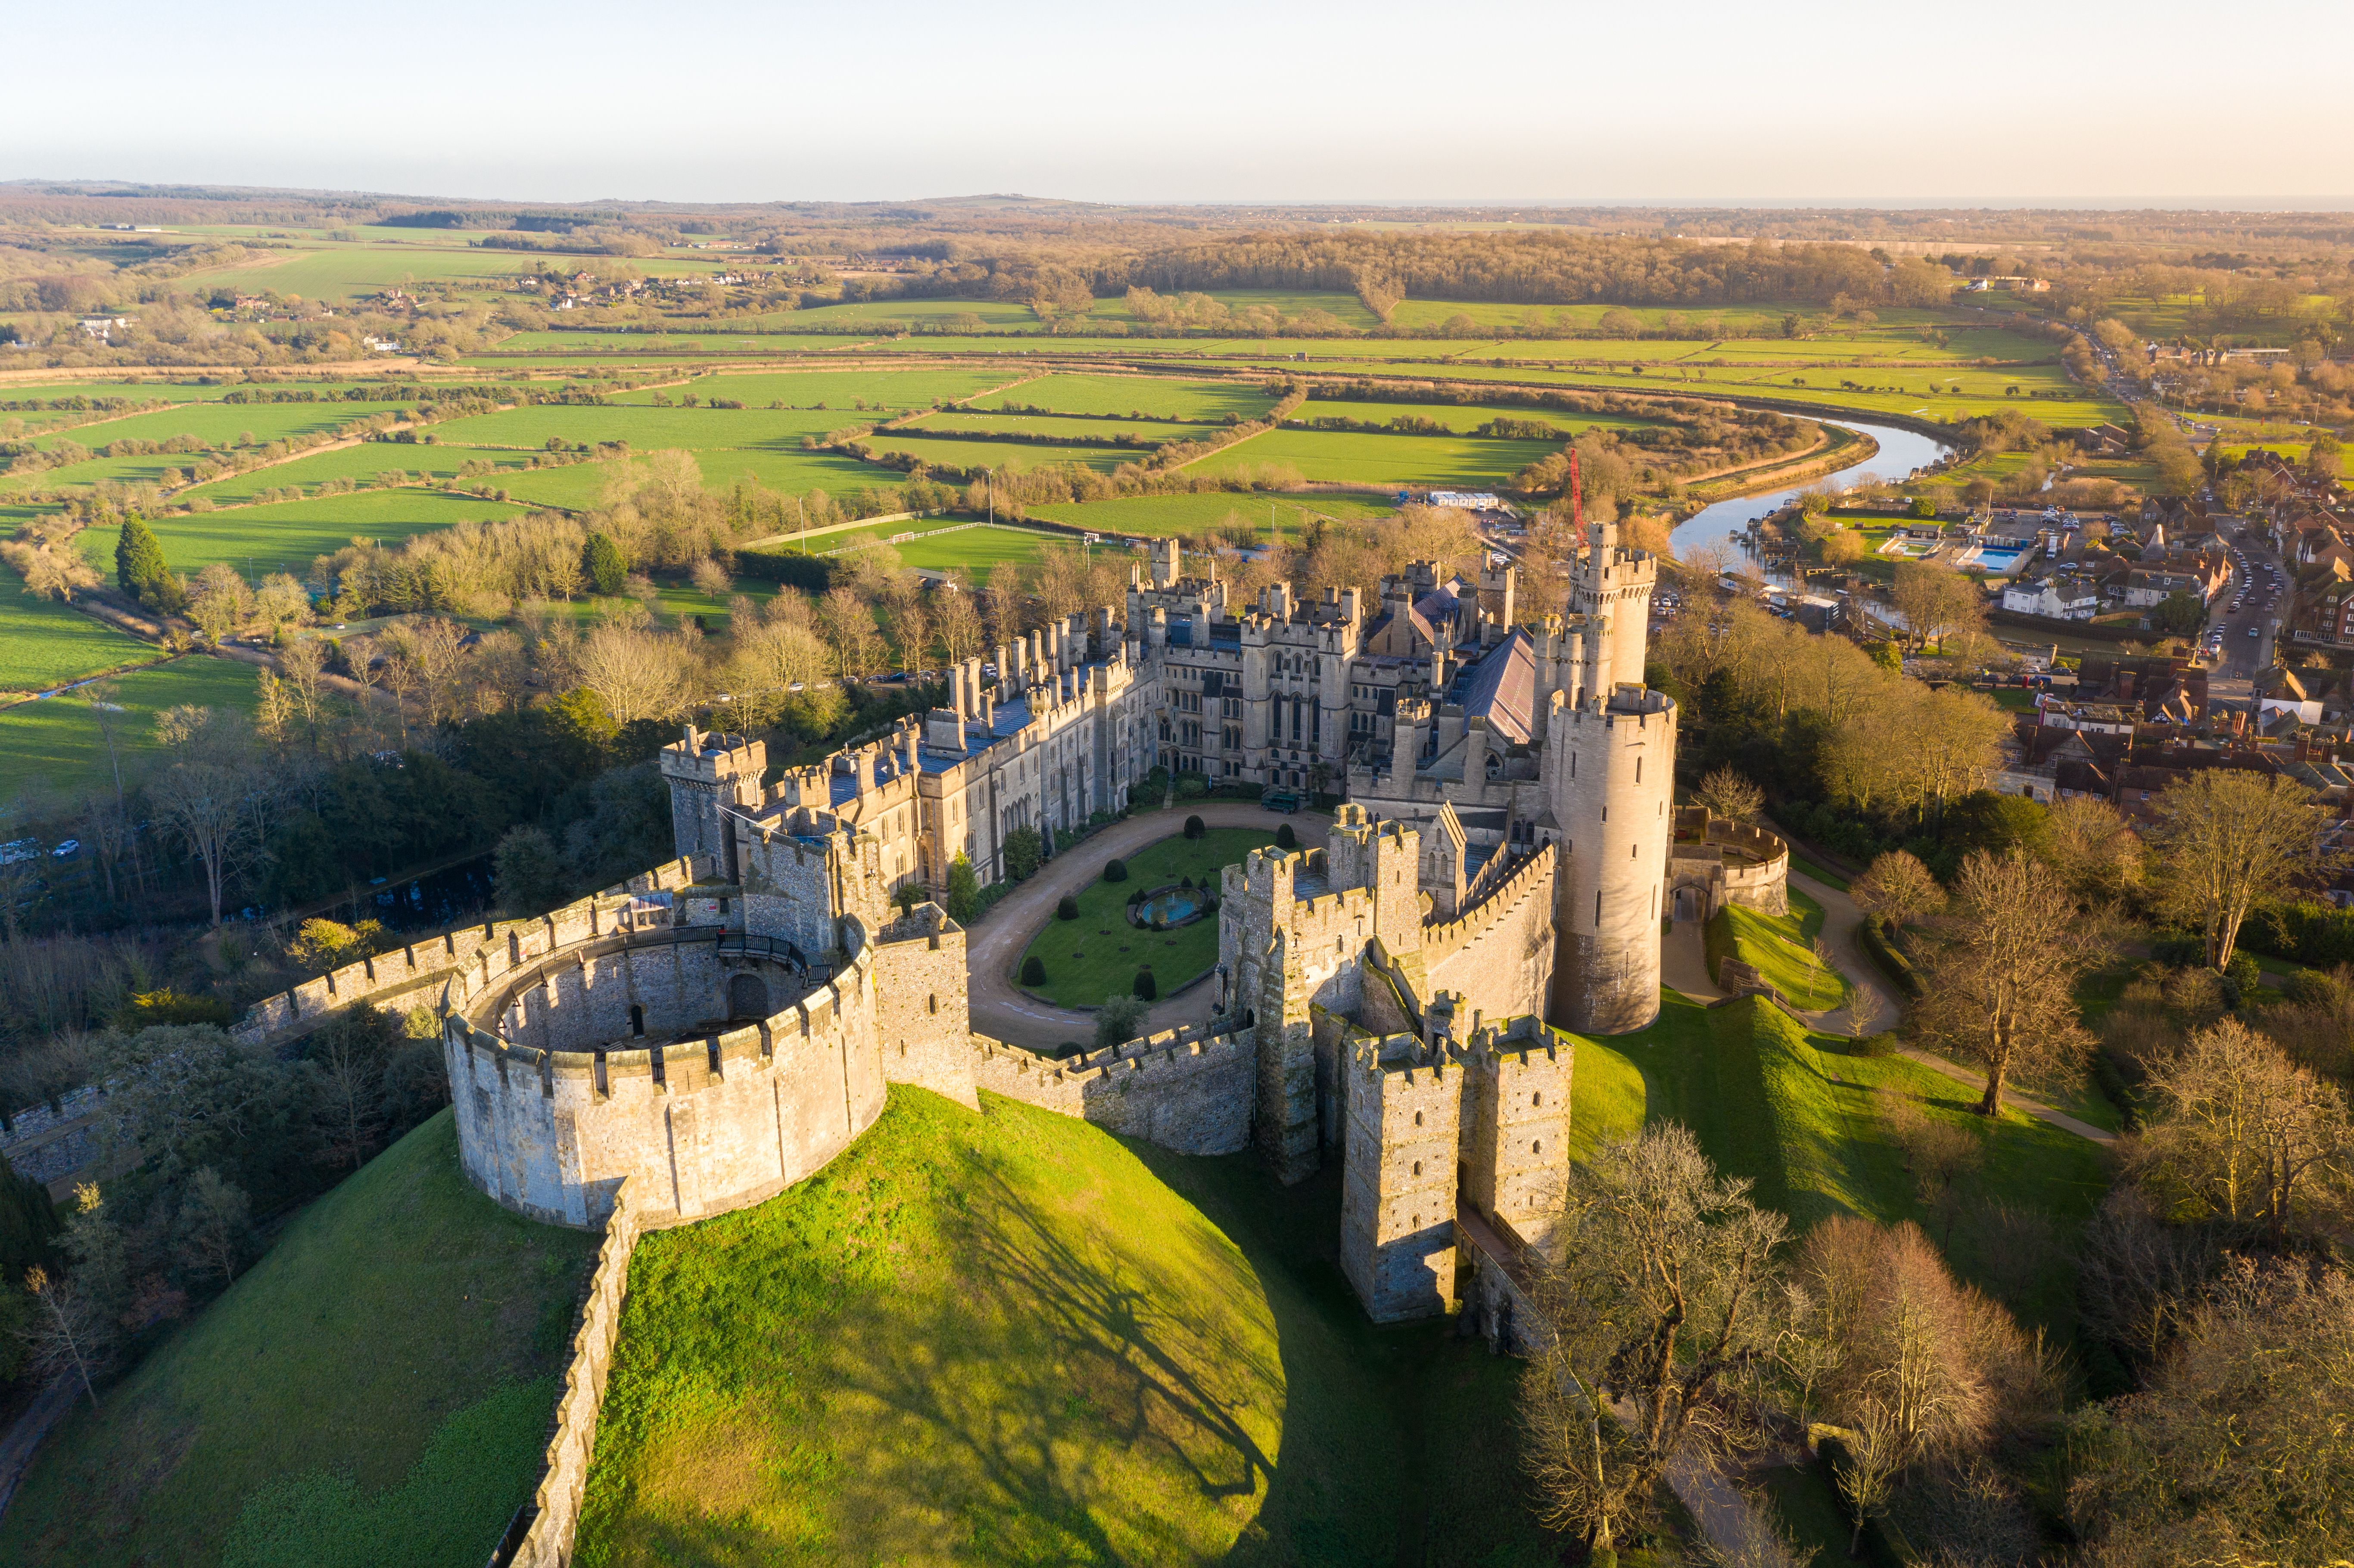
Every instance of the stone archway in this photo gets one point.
(748, 996)
(1685, 907)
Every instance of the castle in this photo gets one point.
(716, 1030)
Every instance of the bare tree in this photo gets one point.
(204, 803)
(216, 1223)
(636, 674)
(1659, 1306)
(2001, 988)
(1898, 888)
(69, 1332)
(959, 624)
(2236, 1132)
(1729, 794)
(302, 665)
(2226, 838)
(106, 713)
(2089, 843)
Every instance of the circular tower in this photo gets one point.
(1611, 764)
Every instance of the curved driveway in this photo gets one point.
(994, 943)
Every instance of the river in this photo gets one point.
(1902, 453)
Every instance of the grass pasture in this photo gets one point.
(285, 535)
(44, 643)
(220, 424)
(947, 451)
(1097, 956)
(56, 744)
(835, 389)
(1161, 516)
(376, 1390)
(645, 429)
(363, 460)
(342, 272)
(1442, 462)
(1167, 396)
(1463, 418)
(1057, 426)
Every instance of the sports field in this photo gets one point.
(1442, 462)
(976, 552)
(1211, 401)
(44, 642)
(56, 744)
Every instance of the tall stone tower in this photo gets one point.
(709, 772)
(1612, 589)
(1397, 1197)
(1610, 758)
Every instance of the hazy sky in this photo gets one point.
(1211, 100)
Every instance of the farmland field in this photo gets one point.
(1160, 516)
(946, 452)
(286, 535)
(1161, 395)
(1092, 431)
(1440, 461)
(565, 346)
(646, 430)
(362, 461)
(834, 389)
(43, 643)
(56, 744)
(161, 391)
(1462, 417)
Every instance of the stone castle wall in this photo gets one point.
(922, 1014)
(1185, 1090)
(1501, 955)
(1397, 1197)
(416, 965)
(708, 1125)
(546, 1536)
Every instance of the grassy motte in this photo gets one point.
(1097, 956)
(376, 1390)
(1011, 1338)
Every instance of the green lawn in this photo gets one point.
(1793, 1111)
(44, 643)
(1441, 462)
(376, 1390)
(1781, 949)
(1011, 1338)
(1165, 396)
(56, 744)
(286, 535)
(1097, 956)
(1196, 515)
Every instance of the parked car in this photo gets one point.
(68, 850)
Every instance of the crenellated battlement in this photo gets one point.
(1533, 879)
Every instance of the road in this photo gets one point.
(2259, 589)
(994, 943)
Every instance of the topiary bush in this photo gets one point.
(1195, 827)
(1068, 909)
(1285, 838)
(1115, 870)
(1033, 970)
(1146, 987)
(2244, 972)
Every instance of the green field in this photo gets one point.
(1155, 432)
(977, 551)
(1462, 418)
(340, 273)
(376, 1390)
(1097, 956)
(285, 535)
(53, 744)
(646, 430)
(168, 391)
(1162, 515)
(44, 642)
(837, 390)
(1008, 1338)
(1210, 401)
(1444, 462)
(362, 461)
(221, 424)
(947, 451)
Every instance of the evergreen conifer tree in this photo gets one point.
(139, 564)
(600, 560)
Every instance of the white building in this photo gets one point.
(2059, 598)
